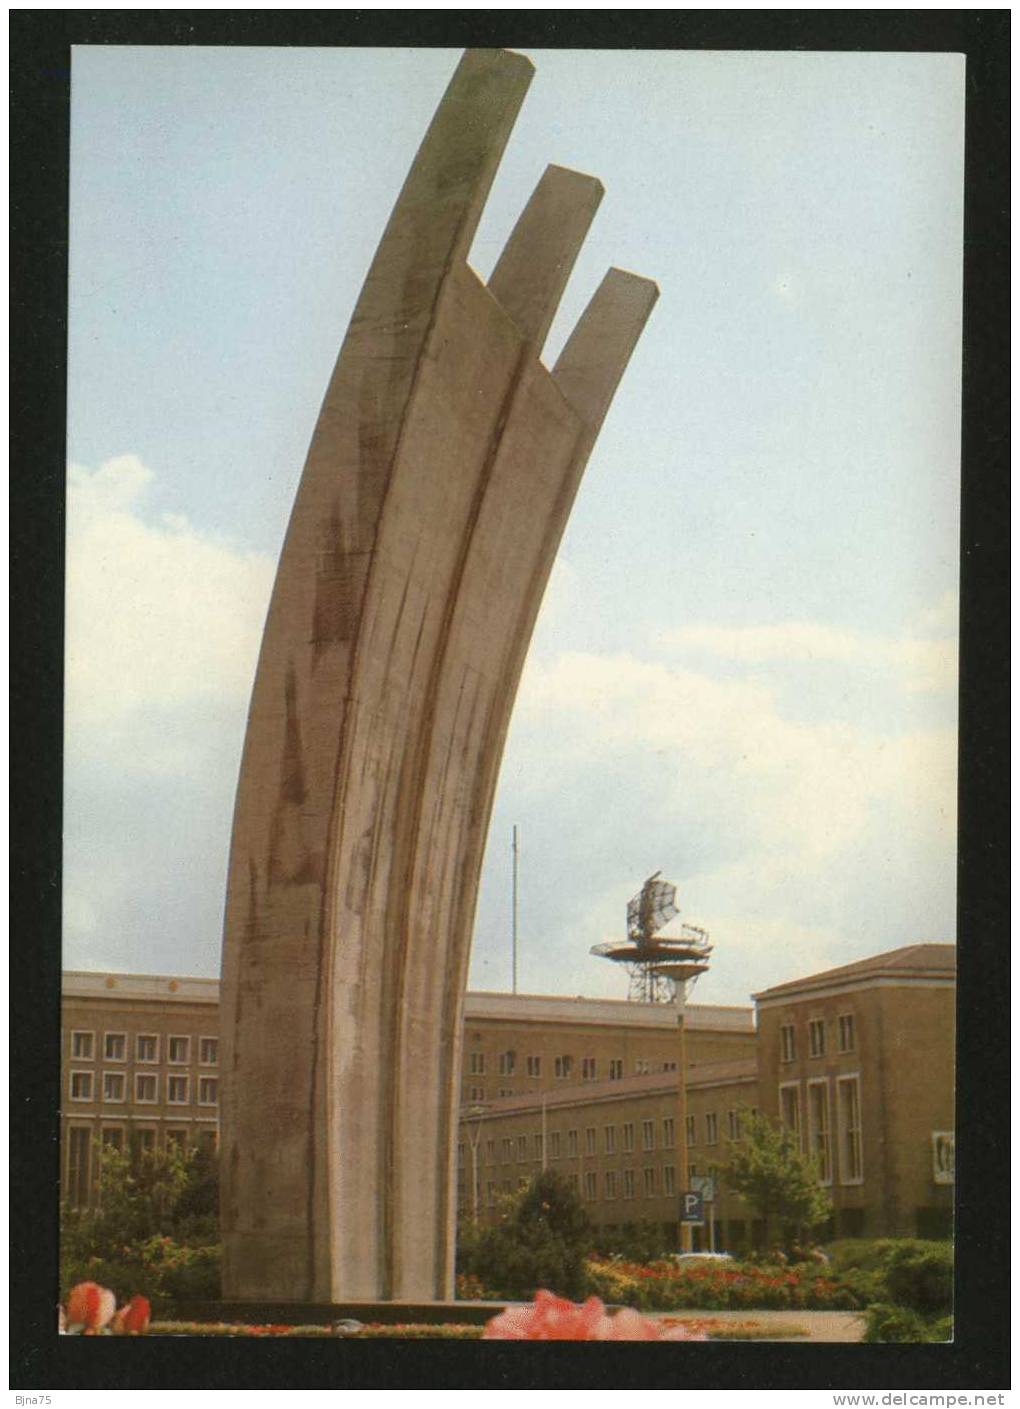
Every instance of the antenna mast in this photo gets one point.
(659, 966)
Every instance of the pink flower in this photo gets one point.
(89, 1308)
(551, 1318)
(132, 1319)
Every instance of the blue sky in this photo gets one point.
(744, 670)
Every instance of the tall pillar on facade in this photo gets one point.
(440, 476)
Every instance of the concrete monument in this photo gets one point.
(438, 483)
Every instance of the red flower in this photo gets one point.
(132, 1319)
(552, 1318)
(89, 1308)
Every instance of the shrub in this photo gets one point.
(637, 1242)
(900, 1323)
(541, 1240)
(920, 1276)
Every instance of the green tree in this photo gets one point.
(541, 1240)
(153, 1228)
(768, 1172)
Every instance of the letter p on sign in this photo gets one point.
(692, 1207)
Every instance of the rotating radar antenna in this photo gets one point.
(658, 965)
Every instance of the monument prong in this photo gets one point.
(532, 272)
(437, 486)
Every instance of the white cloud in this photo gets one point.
(800, 844)
(920, 663)
(160, 616)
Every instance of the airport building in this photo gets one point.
(858, 1060)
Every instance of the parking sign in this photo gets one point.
(692, 1206)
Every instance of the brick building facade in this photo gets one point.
(858, 1060)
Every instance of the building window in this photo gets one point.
(628, 1183)
(507, 1063)
(147, 1047)
(571, 1144)
(114, 1046)
(789, 1110)
(505, 1151)
(610, 1183)
(589, 1140)
(534, 1066)
(816, 1037)
(143, 1141)
(848, 1106)
(476, 1093)
(628, 1137)
(591, 1188)
(505, 1091)
(113, 1086)
(711, 1128)
(177, 1090)
(554, 1145)
(649, 1174)
(178, 1050)
(208, 1090)
(575, 1183)
(609, 1138)
(615, 1068)
(588, 1068)
(79, 1162)
(818, 1129)
(539, 1146)
(735, 1128)
(175, 1139)
(642, 1067)
(83, 1046)
(787, 1043)
(669, 1179)
(847, 1033)
(146, 1088)
(648, 1134)
(208, 1051)
(691, 1126)
(522, 1147)
(112, 1137)
(563, 1066)
(692, 1174)
(669, 1066)
(476, 1063)
(669, 1132)
(81, 1086)
(207, 1139)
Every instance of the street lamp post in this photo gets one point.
(474, 1133)
(679, 998)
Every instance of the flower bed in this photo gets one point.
(665, 1286)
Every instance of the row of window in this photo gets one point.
(817, 1028)
(847, 1151)
(517, 1147)
(146, 1048)
(563, 1066)
(82, 1087)
(616, 1183)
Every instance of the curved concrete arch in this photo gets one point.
(438, 483)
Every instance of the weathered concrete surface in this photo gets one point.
(436, 489)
